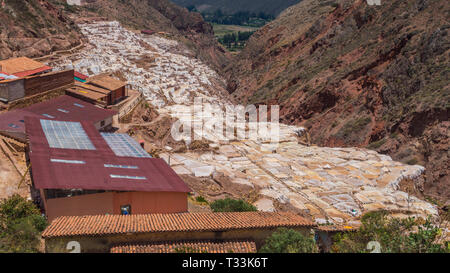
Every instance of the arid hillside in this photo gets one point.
(163, 16)
(233, 6)
(34, 28)
(359, 75)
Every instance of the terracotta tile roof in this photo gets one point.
(230, 246)
(22, 66)
(146, 223)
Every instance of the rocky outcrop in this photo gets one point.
(358, 75)
(34, 28)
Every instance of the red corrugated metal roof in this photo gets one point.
(32, 72)
(80, 76)
(88, 113)
(93, 175)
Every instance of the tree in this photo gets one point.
(192, 8)
(230, 205)
(394, 235)
(289, 241)
(20, 225)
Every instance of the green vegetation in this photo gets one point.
(377, 144)
(235, 41)
(394, 236)
(289, 241)
(20, 225)
(201, 199)
(242, 18)
(231, 205)
(353, 126)
(233, 30)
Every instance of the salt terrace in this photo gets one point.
(331, 184)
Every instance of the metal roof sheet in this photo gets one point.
(89, 172)
(53, 108)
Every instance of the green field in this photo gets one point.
(221, 30)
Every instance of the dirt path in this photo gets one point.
(10, 178)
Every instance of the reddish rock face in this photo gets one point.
(358, 75)
(35, 28)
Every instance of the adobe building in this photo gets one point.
(92, 94)
(12, 123)
(23, 77)
(204, 232)
(77, 171)
(102, 90)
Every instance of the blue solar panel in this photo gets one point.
(66, 135)
(124, 145)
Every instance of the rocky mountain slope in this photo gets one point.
(34, 28)
(328, 185)
(359, 75)
(233, 6)
(163, 16)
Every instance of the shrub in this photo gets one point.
(394, 235)
(289, 241)
(201, 199)
(230, 205)
(20, 225)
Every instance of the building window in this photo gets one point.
(125, 210)
(12, 125)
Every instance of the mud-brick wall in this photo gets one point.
(103, 243)
(46, 82)
(12, 90)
